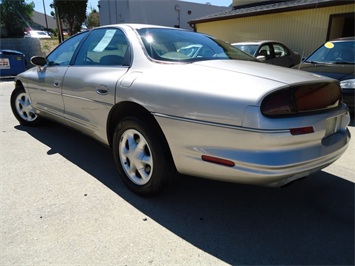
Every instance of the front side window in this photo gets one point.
(265, 50)
(63, 54)
(184, 46)
(104, 47)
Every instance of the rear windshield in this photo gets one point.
(184, 46)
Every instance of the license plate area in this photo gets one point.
(331, 126)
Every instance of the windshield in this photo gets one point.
(183, 46)
(338, 52)
(248, 48)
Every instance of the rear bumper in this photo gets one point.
(261, 157)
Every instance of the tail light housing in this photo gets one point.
(302, 99)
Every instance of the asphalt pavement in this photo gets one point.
(62, 203)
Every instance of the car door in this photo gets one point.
(89, 84)
(46, 88)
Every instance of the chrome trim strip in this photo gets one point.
(189, 120)
(47, 91)
(86, 99)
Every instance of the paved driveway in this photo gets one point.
(62, 202)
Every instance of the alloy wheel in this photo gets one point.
(24, 108)
(136, 157)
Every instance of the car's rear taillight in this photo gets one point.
(301, 130)
(278, 103)
(302, 99)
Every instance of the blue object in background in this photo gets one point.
(11, 63)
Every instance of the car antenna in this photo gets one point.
(301, 60)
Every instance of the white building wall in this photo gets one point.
(170, 13)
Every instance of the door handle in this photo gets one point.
(102, 90)
(56, 83)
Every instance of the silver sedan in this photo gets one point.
(271, 52)
(170, 101)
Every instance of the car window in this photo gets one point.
(63, 54)
(248, 48)
(106, 47)
(265, 50)
(40, 33)
(334, 52)
(185, 46)
(280, 50)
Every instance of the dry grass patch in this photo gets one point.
(47, 45)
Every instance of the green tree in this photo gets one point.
(72, 13)
(93, 19)
(15, 15)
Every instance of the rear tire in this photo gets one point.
(22, 108)
(140, 157)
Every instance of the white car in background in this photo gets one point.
(37, 34)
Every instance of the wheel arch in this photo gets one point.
(19, 83)
(126, 109)
(23, 109)
(131, 109)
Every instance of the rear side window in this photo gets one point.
(104, 47)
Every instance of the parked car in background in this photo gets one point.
(50, 33)
(335, 59)
(217, 113)
(272, 52)
(37, 34)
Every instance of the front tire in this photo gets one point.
(140, 157)
(22, 108)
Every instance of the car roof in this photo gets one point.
(138, 26)
(352, 38)
(256, 42)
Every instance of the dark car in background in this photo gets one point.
(272, 52)
(335, 59)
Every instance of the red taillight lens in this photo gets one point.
(317, 97)
(278, 103)
(301, 130)
(302, 99)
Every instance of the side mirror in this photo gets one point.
(261, 57)
(38, 61)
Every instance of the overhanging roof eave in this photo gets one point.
(267, 12)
